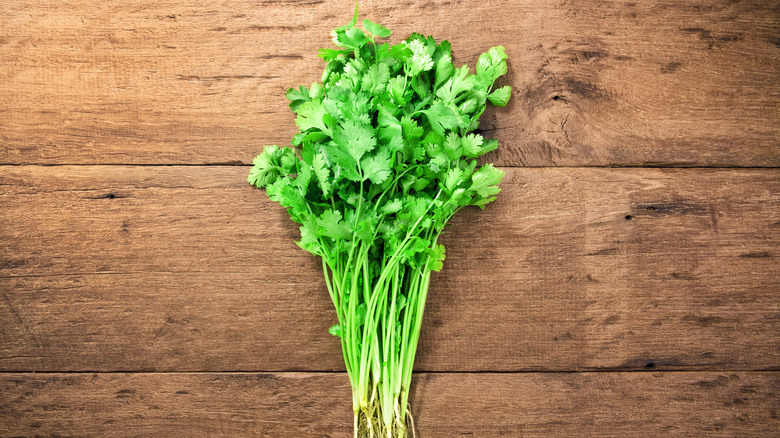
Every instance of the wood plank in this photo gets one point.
(185, 268)
(680, 83)
(319, 405)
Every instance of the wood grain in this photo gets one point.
(143, 298)
(446, 405)
(664, 83)
(183, 268)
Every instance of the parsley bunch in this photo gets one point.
(383, 160)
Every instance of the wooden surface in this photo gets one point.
(674, 82)
(148, 291)
(187, 269)
(251, 404)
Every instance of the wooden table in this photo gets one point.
(625, 284)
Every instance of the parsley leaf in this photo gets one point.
(312, 115)
(376, 167)
(491, 65)
(500, 96)
(441, 117)
(355, 137)
(376, 29)
(485, 180)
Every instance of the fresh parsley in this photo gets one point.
(386, 155)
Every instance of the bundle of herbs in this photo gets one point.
(384, 158)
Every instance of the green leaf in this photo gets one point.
(391, 55)
(417, 207)
(491, 65)
(287, 160)
(460, 82)
(376, 29)
(500, 96)
(420, 184)
(412, 131)
(415, 246)
(364, 229)
(444, 70)
(390, 130)
(452, 145)
(356, 138)
(312, 115)
(400, 304)
(353, 38)
(352, 198)
(490, 145)
(436, 258)
(332, 226)
(485, 180)
(263, 172)
(482, 201)
(346, 165)
(438, 163)
(354, 20)
(458, 196)
(321, 171)
(375, 80)
(472, 145)
(270, 165)
(304, 177)
(469, 105)
(289, 197)
(335, 331)
(453, 178)
(397, 89)
(331, 54)
(433, 138)
(441, 117)
(442, 59)
(392, 206)
(420, 61)
(316, 91)
(297, 97)
(376, 167)
(309, 240)
(421, 87)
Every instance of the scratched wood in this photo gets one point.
(664, 83)
(187, 268)
(171, 300)
(446, 405)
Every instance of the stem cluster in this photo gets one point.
(380, 314)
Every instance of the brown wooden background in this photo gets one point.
(625, 283)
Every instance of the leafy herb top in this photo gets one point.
(385, 154)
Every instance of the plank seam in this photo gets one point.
(608, 166)
(593, 371)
